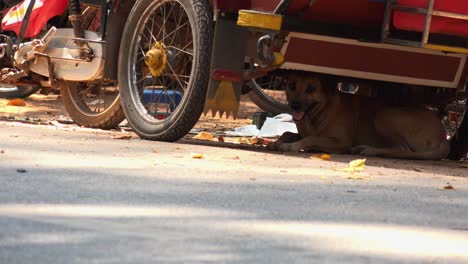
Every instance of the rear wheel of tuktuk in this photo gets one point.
(164, 66)
(94, 104)
(459, 142)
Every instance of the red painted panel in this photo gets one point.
(231, 5)
(356, 12)
(373, 60)
(296, 6)
(265, 5)
(415, 22)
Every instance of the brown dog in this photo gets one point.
(334, 122)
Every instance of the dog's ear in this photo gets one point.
(328, 84)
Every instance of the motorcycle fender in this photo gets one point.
(115, 25)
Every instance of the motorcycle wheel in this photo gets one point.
(94, 105)
(166, 107)
(268, 93)
(10, 91)
(459, 141)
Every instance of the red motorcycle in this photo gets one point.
(62, 44)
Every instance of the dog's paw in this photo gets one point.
(289, 147)
(357, 149)
(273, 146)
(364, 150)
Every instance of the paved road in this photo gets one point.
(88, 198)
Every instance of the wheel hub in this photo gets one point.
(156, 59)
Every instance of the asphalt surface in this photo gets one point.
(86, 197)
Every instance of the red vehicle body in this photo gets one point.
(43, 11)
(354, 58)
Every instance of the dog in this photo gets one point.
(334, 122)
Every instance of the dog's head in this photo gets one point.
(305, 94)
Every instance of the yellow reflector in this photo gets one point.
(259, 20)
(446, 48)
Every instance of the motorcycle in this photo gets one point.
(61, 44)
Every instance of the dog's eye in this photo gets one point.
(310, 88)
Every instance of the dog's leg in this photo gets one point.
(324, 144)
(287, 137)
(439, 152)
(409, 134)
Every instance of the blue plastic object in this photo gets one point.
(170, 97)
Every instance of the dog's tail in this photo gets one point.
(440, 152)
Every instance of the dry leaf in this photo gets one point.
(17, 102)
(448, 187)
(204, 136)
(354, 166)
(244, 140)
(260, 141)
(354, 177)
(221, 139)
(464, 165)
(197, 156)
(326, 157)
(124, 137)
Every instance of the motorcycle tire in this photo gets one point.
(13, 91)
(82, 112)
(266, 102)
(180, 89)
(459, 142)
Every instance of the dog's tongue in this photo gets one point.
(297, 116)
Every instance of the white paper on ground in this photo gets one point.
(273, 127)
(245, 131)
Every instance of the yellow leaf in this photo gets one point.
(204, 136)
(355, 165)
(197, 156)
(326, 157)
(244, 140)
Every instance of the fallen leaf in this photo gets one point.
(260, 141)
(464, 165)
(197, 156)
(448, 187)
(244, 140)
(325, 157)
(221, 139)
(155, 152)
(124, 137)
(21, 170)
(354, 177)
(204, 136)
(416, 169)
(354, 166)
(17, 102)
